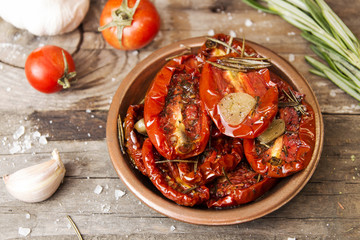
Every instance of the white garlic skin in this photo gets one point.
(44, 17)
(36, 183)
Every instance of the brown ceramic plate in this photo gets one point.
(132, 90)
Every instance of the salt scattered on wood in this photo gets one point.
(8, 89)
(105, 208)
(27, 216)
(98, 189)
(232, 33)
(88, 111)
(248, 23)
(15, 148)
(211, 32)
(24, 231)
(172, 228)
(291, 57)
(119, 194)
(42, 140)
(19, 132)
(291, 238)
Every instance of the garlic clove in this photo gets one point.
(36, 183)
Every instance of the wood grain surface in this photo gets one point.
(73, 121)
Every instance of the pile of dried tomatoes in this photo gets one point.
(219, 128)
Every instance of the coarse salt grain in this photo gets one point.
(98, 189)
(88, 111)
(291, 57)
(211, 32)
(27, 216)
(291, 33)
(15, 148)
(42, 140)
(248, 23)
(172, 228)
(135, 53)
(232, 33)
(19, 132)
(105, 208)
(36, 134)
(291, 238)
(8, 89)
(24, 231)
(119, 194)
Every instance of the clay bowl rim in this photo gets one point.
(287, 189)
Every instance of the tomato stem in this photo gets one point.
(121, 18)
(65, 79)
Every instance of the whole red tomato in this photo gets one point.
(129, 25)
(50, 69)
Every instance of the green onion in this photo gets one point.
(331, 39)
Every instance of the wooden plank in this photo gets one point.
(101, 214)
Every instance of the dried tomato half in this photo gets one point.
(134, 140)
(161, 176)
(292, 151)
(240, 100)
(222, 154)
(175, 118)
(240, 104)
(240, 186)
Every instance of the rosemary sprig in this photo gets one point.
(226, 176)
(190, 189)
(75, 227)
(121, 135)
(239, 64)
(293, 102)
(224, 44)
(332, 40)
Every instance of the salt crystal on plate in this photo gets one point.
(119, 194)
(98, 189)
(24, 231)
(19, 132)
(248, 23)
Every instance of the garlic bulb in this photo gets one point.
(44, 17)
(36, 183)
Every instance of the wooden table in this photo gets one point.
(74, 121)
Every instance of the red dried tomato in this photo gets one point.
(161, 177)
(175, 118)
(134, 140)
(215, 84)
(292, 151)
(223, 154)
(240, 186)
